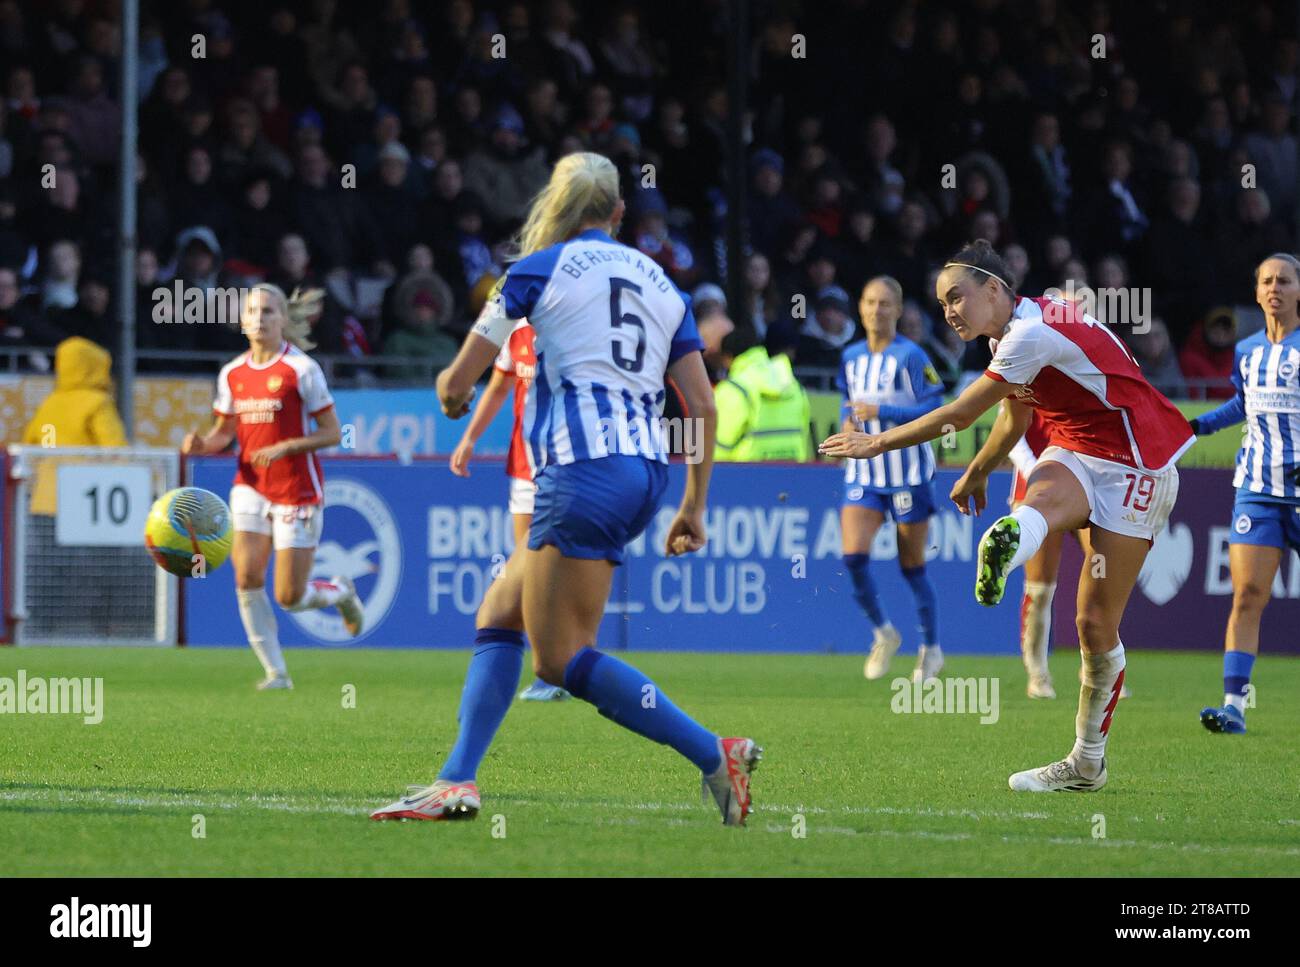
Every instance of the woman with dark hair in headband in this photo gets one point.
(1109, 468)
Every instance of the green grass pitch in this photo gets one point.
(284, 780)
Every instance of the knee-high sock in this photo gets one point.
(318, 594)
(864, 588)
(259, 624)
(1036, 625)
(626, 696)
(1237, 666)
(1033, 531)
(1103, 677)
(923, 592)
(489, 689)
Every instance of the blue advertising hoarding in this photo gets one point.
(408, 421)
(422, 544)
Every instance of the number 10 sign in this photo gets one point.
(102, 505)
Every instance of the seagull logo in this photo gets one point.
(1168, 564)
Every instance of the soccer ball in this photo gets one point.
(185, 522)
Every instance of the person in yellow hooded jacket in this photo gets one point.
(79, 413)
(763, 412)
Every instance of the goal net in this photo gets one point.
(75, 567)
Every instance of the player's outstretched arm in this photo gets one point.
(977, 398)
(687, 530)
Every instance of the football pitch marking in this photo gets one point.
(333, 805)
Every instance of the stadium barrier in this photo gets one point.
(422, 545)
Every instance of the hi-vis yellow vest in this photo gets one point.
(763, 412)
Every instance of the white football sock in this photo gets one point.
(318, 594)
(1036, 625)
(1103, 675)
(1033, 531)
(1236, 701)
(259, 625)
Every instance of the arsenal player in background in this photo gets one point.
(267, 399)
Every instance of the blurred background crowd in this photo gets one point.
(387, 152)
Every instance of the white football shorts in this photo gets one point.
(1121, 499)
(288, 525)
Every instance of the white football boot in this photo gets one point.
(1058, 777)
(730, 784)
(349, 606)
(444, 800)
(929, 662)
(274, 682)
(1040, 686)
(883, 647)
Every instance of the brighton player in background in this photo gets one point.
(1109, 467)
(1266, 513)
(267, 398)
(609, 327)
(512, 372)
(886, 379)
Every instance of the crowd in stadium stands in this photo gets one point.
(1123, 170)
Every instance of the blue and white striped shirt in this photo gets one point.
(608, 323)
(1267, 377)
(901, 381)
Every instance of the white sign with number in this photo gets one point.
(103, 505)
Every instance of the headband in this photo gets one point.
(967, 265)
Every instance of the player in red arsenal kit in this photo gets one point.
(267, 399)
(1112, 442)
(513, 370)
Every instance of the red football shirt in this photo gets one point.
(1089, 391)
(519, 360)
(272, 402)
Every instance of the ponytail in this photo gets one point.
(583, 189)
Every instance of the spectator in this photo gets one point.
(915, 325)
(62, 272)
(507, 172)
(1180, 237)
(827, 330)
(393, 203)
(247, 148)
(79, 413)
(424, 305)
(1206, 360)
(200, 199)
(21, 321)
(1274, 153)
(259, 222)
(1115, 213)
(770, 208)
(90, 318)
(1154, 351)
(96, 120)
(335, 223)
(1245, 241)
(763, 412)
